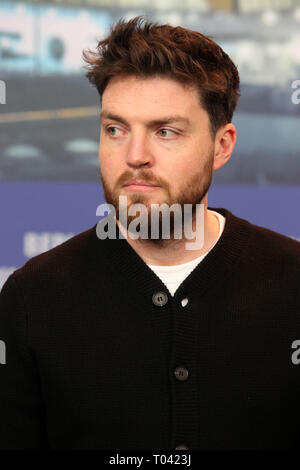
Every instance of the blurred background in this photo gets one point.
(49, 114)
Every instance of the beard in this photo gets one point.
(192, 192)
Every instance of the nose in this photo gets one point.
(139, 152)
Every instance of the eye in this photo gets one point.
(166, 130)
(108, 129)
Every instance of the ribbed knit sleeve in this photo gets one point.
(22, 424)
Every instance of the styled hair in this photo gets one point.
(142, 48)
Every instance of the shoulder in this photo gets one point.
(69, 257)
(271, 254)
(263, 246)
(274, 244)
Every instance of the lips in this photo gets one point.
(139, 183)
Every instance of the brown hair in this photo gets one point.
(144, 50)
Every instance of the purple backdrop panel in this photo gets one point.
(273, 207)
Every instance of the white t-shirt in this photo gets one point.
(173, 276)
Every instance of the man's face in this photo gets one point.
(176, 156)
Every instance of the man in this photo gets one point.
(140, 343)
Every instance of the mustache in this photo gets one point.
(140, 176)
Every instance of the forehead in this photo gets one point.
(151, 95)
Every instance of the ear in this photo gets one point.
(224, 144)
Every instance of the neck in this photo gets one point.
(172, 252)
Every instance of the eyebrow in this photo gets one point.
(153, 122)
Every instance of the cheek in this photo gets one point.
(105, 156)
(181, 169)
(109, 154)
(110, 167)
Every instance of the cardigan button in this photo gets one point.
(182, 447)
(181, 373)
(184, 301)
(159, 299)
